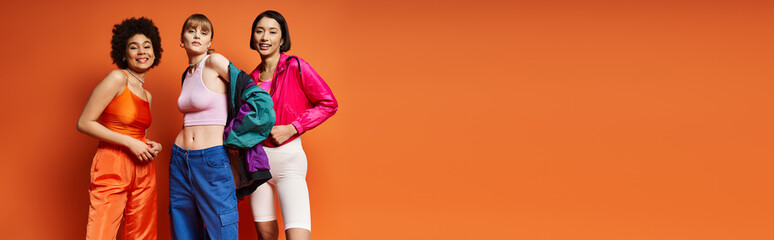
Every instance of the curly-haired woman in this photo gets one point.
(123, 175)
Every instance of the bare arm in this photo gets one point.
(219, 64)
(88, 122)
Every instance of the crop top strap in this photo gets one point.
(145, 93)
(201, 64)
(127, 78)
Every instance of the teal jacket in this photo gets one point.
(250, 111)
(250, 120)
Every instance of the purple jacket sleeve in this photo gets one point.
(324, 104)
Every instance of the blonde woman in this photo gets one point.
(203, 203)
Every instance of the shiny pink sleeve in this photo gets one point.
(324, 104)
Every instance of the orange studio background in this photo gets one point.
(458, 119)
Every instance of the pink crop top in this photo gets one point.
(200, 105)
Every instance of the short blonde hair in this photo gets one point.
(198, 20)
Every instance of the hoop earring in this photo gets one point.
(182, 45)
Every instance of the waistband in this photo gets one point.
(220, 149)
(292, 146)
(103, 144)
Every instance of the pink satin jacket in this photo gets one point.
(301, 98)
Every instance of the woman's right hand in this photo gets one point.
(141, 150)
(281, 133)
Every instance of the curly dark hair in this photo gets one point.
(127, 29)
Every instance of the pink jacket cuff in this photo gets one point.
(298, 126)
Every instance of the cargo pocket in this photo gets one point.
(228, 225)
(229, 218)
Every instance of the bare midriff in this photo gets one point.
(200, 137)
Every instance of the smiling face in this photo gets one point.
(267, 37)
(139, 53)
(197, 40)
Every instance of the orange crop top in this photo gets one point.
(127, 114)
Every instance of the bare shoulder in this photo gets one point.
(110, 86)
(217, 59)
(115, 80)
(219, 64)
(116, 75)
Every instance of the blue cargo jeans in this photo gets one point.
(202, 197)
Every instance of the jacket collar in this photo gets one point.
(282, 65)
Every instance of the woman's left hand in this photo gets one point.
(282, 133)
(155, 148)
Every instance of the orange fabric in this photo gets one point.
(127, 114)
(631, 120)
(122, 187)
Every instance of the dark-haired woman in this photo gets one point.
(302, 101)
(123, 175)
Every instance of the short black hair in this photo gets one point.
(127, 29)
(283, 28)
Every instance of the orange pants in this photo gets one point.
(121, 187)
